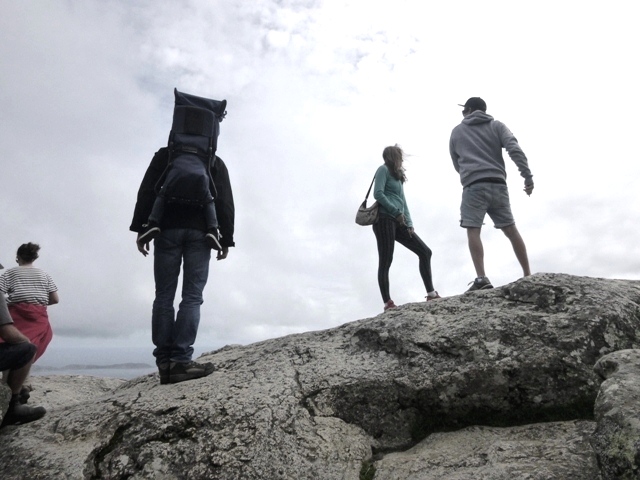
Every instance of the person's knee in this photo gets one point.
(510, 231)
(192, 298)
(25, 353)
(384, 265)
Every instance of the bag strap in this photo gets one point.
(369, 191)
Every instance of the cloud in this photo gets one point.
(315, 91)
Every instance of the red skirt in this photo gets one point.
(33, 322)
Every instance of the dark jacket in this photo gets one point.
(185, 216)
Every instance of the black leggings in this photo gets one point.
(387, 232)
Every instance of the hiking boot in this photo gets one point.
(480, 283)
(212, 240)
(17, 414)
(150, 232)
(163, 370)
(181, 372)
(24, 395)
(434, 297)
(389, 305)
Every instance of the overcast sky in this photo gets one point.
(315, 89)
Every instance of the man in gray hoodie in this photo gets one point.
(476, 150)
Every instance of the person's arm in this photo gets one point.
(455, 158)
(225, 208)
(379, 186)
(407, 216)
(10, 334)
(3, 284)
(147, 190)
(510, 143)
(5, 317)
(53, 298)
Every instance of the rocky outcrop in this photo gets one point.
(617, 411)
(56, 392)
(5, 396)
(366, 399)
(542, 451)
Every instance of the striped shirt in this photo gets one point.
(27, 285)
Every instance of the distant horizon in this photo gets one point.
(64, 353)
(119, 373)
(90, 366)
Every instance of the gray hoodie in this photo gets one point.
(476, 149)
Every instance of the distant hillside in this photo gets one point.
(126, 366)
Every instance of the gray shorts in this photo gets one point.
(481, 198)
(16, 355)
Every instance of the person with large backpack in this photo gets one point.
(182, 212)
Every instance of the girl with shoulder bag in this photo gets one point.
(394, 224)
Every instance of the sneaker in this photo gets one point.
(181, 372)
(17, 414)
(163, 370)
(480, 283)
(433, 298)
(149, 234)
(389, 305)
(212, 240)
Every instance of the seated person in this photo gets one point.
(16, 356)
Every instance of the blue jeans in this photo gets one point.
(173, 335)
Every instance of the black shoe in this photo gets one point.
(181, 372)
(480, 283)
(212, 240)
(17, 414)
(163, 370)
(150, 232)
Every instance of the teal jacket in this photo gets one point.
(389, 193)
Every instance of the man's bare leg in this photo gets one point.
(519, 248)
(17, 378)
(476, 249)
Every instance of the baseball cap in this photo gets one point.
(475, 103)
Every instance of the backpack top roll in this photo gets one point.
(192, 145)
(196, 123)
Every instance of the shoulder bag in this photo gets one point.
(367, 216)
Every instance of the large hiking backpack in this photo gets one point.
(192, 146)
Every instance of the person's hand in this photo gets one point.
(410, 231)
(143, 247)
(528, 189)
(222, 254)
(401, 220)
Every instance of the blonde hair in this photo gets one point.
(393, 158)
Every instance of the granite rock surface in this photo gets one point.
(508, 372)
